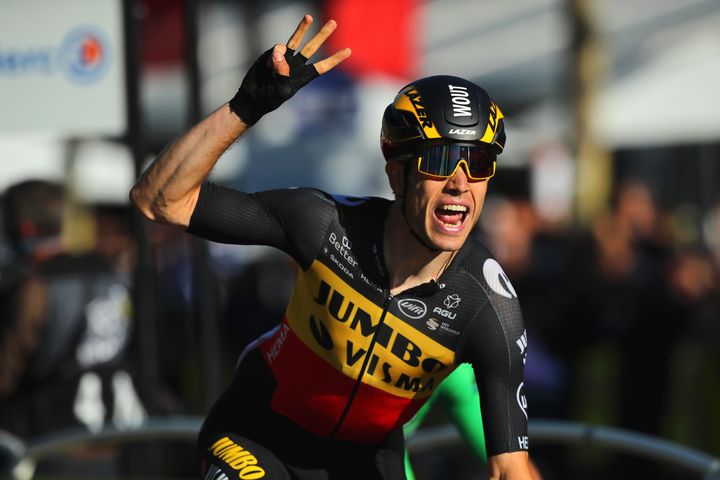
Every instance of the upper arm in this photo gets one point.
(495, 345)
(293, 220)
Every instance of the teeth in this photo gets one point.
(455, 208)
(452, 224)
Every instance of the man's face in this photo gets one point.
(442, 211)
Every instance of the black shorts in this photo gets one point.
(242, 436)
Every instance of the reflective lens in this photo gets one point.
(443, 160)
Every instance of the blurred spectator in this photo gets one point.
(179, 361)
(711, 231)
(695, 379)
(114, 239)
(64, 330)
(624, 313)
(256, 298)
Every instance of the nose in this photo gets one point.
(458, 183)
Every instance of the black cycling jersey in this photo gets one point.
(350, 363)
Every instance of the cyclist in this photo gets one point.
(390, 297)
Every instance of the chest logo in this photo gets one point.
(452, 301)
(432, 324)
(497, 280)
(412, 308)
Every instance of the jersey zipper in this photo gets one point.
(366, 361)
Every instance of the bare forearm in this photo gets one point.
(509, 466)
(168, 190)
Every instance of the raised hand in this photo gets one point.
(281, 71)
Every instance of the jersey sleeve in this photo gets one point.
(292, 220)
(496, 347)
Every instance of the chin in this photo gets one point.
(448, 244)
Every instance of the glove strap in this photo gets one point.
(243, 105)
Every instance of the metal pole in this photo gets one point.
(160, 430)
(589, 66)
(205, 288)
(143, 305)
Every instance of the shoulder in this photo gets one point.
(299, 196)
(477, 260)
(497, 320)
(360, 204)
(302, 198)
(361, 213)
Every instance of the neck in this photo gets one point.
(409, 261)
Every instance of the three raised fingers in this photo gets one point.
(314, 44)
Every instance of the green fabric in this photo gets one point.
(458, 394)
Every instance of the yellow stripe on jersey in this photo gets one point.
(338, 324)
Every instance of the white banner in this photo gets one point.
(62, 67)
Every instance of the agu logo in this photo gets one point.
(84, 55)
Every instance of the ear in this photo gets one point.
(395, 171)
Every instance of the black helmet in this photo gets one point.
(441, 108)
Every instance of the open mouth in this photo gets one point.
(451, 216)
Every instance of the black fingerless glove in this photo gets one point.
(262, 90)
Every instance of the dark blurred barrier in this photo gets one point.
(552, 431)
(23, 456)
(12, 449)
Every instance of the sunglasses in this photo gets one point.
(442, 161)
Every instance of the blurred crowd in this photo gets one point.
(622, 321)
(621, 310)
(621, 315)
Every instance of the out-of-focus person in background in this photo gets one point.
(258, 294)
(694, 278)
(624, 297)
(625, 322)
(65, 331)
(114, 237)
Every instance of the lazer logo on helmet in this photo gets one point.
(462, 131)
(460, 100)
(416, 101)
